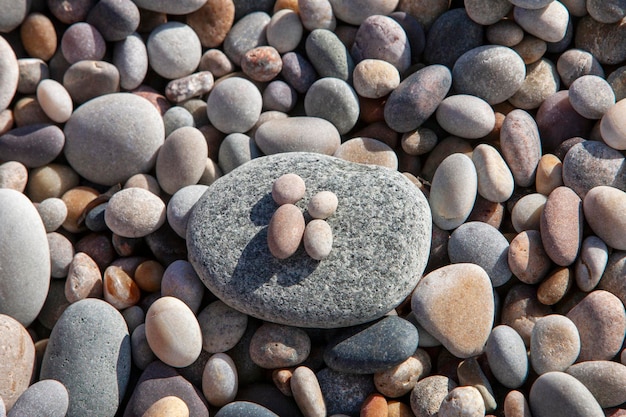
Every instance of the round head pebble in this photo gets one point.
(322, 205)
(288, 189)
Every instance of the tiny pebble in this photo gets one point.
(278, 346)
(288, 189)
(219, 380)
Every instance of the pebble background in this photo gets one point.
(466, 157)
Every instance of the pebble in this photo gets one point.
(417, 97)
(38, 36)
(527, 258)
(616, 79)
(18, 360)
(344, 393)
(168, 406)
(561, 226)
(343, 114)
(368, 151)
(381, 37)
(124, 13)
(130, 57)
(502, 32)
(601, 205)
(244, 409)
(521, 309)
(119, 289)
(234, 105)
(466, 287)
(181, 281)
(531, 49)
(14, 14)
(604, 379)
(466, 116)
(164, 6)
(542, 80)
(401, 379)
(611, 128)
(298, 71)
(487, 15)
(33, 145)
(28, 112)
(134, 212)
(495, 181)
(465, 401)
(600, 39)
(601, 322)
(9, 72)
(515, 405)
(548, 23)
(81, 41)
(247, 33)
(53, 213)
(374, 405)
(441, 49)
(212, 21)
(76, 200)
(521, 146)
(554, 344)
(429, 394)
(375, 78)
(322, 205)
(575, 63)
(376, 348)
(278, 346)
(611, 280)
(354, 12)
(262, 63)
(98, 150)
(31, 72)
(555, 286)
(318, 239)
(175, 118)
(307, 393)
(90, 328)
(549, 174)
(55, 101)
(328, 55)
(288, 189)
(235, 150)
(173, 332)
(590, 164)
(181, 159)
(181, 204)
(317, 14)
(491, 72)
(174, 50)
(453, 191)
(507, 358)
(557, 394)
(13, 175)
(61, 254)
(222, 327)
(285, 231)
(185, 88)
(279, 96)
(219, 380)
(25, 258)
(46, 397)
(148, 275)
(591, 96)
(557, 110)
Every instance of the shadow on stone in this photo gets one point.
(262, 211)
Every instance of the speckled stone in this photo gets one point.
(617, 80)
(604, 379)
(90, 328)
(417, 97)
(601, 322)
(307, 393)
(467, 289)
(9, 70)
(515, 405)
(247, 33)
(527, 258)
(521, 146)
(575, 63)
(557, 394)
(400, 379)
(219, 380)
(549, 174)
(185, 88)
(466, 116)
(542, 80)
(487, 14)
(114, 19)
(611, 279)
(82, 41)
(212, 21)
(298, 134)
(591, 96)
(561, 226)
(429, 393)
(279, 96)
(174, 50)
(99, 152)
(14, 175)
(247, 247)
(234, 105)
(491, 72)
(381, 37)
(33, 145)
(222, 327)
(600, 39)
(375, 78)
(17, 359)
(83, 279)
(367, 151)
(284, 31)
(134, 212)
(181, 159)
(170, 406)
(611, 127)
(554, 344)
(46, 397)
(507, 356)
(465, 401)
(343, 113)
(344, 393)
(317, 14)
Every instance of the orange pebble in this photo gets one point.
(398, 409)
(375, 405)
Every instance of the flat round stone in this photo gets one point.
(232, 258)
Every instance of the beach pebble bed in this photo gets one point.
(375, 208)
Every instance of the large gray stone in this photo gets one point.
(381, 232)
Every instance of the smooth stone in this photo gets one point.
(244, 409)
(89, 79)
(181, 281)
(375, 78)
(14, 175)
(542, 80)
(298, 134)
(355, 12)
(441, 151)
(611, 278)
(401, 379)
(26, 269)
(9, 69)
(298, 71)
(279, 96)
(515, 405)
(288, 189)
(503, 32)
(557, 394)
(549, 174)
(13, 14)
(611, 128)
(173, 332)
(114, 19)
(53, 212)
(417, 97)
(601, 207)
(148, 276)
(495, 180)
(562, 226)
(592, 96)
(548, 23)
(368, 151)
(507, 358)
(555, 286)
(158, 381)
(607, 12)
(285, 230)
(322, 205)
(98, 150)
(554, 344)
(212, 21)
(527, 258)
(90, 328)
(259, 297)
(601, 322)
(373, 349)
(381, 37)
(483, 245)
(270, 397)
(177, 117)
(466, 289)
(491, 72)
(344, 393)
(453, 191)
(374, 405)
(130, 57)
(574, 63)
(247, 33)
(604, 379)
(466, 116)
(521, 146)
(61, 254)
(134, 317)
(316, 14)
(234, 105)
(164, 6)
(219, 380)
(465, 401)
(278, 346)
(487, 14)
(616, 79)
(38, 36)
(17, 359)
(82, 41)
(445, 50)
(318, 239)
(521, 309)
(558, 121)
(55, 101)
(180, 205)
(31, 72)
(33, 145)
(222, 327)
(174, 50)
(429, 393)
(134, 212)
(235, 150)
(76, 200)
(44, 398)
(119, 289)
(307, 393)
(600, 40)
(345, 110)
(181, 159)
(590, 164)
(169, 406)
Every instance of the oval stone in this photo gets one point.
(329, 55)
(466, 116)
(219, 380)
(134, 212)
(285, 231)
(506, 354)
(495, 181)
(234, 261)
(548, 23)
(307, 392)
(17, 361)
(318, 239)
(130, 57)
(32, 145)
(601, 40)
(368, 151)
(89, 329)
(211, 21)
(381, 37)
(521, 146)
(554, 344)
(174, 50)
(9, 71)
(234, 105)
(298, 134)
(247, 33)
(244, 408)
(44, 398)
(168, 406)
(604, 379)
(429, 393)
(99, 150)
(441, 48)
(612, 124)
(182, 159)
(25, 258)
(603, 206)
(86, 80)
(355, 12)
(562, 226)
(344, 112)
(590, 265)
(180, 205)
(527, 258)
(557, 394)
(521, 310)
(276, 346)
(558, 121)
(222, 327)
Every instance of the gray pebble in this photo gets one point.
(298, 134)
(429, 393)
(133, 316)
(174, 50)
(284, 31)
(176, 117)
(575, 63)
(114, 19)
(176, 8)
(443, 49)
(180, 205)
(234, 105)
(13, 13)
(86, 80)
(344, 393)
(244, 409)
(317, 14)
(606, 11)
(280, 96)
(466, 116)
(181, 160)
(180, 280)
(222, 327)
(277, 346)
(381, 37)
(32, 145)
(542, 80)
(590, 265)
(329, 55)
(130, 56)
(61, 254)
(46, 397)
(557, 394)
(247, 33)
(591, 96)
(53, 212)
(344, 111)
(32, 71)
(488, 13)
(236, 149)
(506, 354)
(548, 23)
(604, 379)
(82, 41)
(141, 352)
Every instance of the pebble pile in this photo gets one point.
(171, 238)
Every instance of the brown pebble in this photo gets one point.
(157, 99)
(262, 63)
(367, 151)
(76, 200)
(401, 379)
(212, 21)
(555, 286)
(515, 405)
(169, 406)
(98, 246)
(83, 279)
(285, 231)
(282, 380)
(487, 212)
(528, 261)
(6, 121)
(398, 409)
(38, 36)
(375, 405)
(17, 360)
(531, 49)
(549, 174)
(562, 226)
(119, 288)
(148, 275)
(51, 180)
(27, 111)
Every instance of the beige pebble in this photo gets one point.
(53, 212)
(528, 261)
(429, 393)
(277, 346)
(368, 151)
(55, 101)
(554, 344)
(549, 174)
(284, 31)
(285, 231)
(17, 360)
(220, 380)
(288, 189)
(307, 392)
(134, 212)
(145, 181)
(401, 379)
(562, 225)
(556, 286)
(515, 405)
(531, 49)
(13, 175)
(318, 239)
(495, 181)
(419, 142)
(282, 380)
(548, 23)
(604, 208)
(526, 213)
(462, 401)
(470, 374)
(173, 332)
(83, 279)
(322, 205)
(119, 288)
(398, 409)
(590, 265)
(375, 78)
(612, 126)
(169, 406)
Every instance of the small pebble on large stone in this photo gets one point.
(318, 239)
